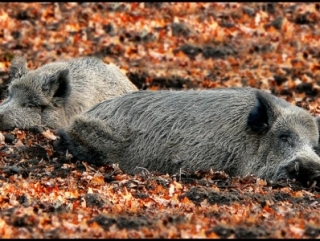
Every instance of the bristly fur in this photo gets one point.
(238, 130)
(52, 94)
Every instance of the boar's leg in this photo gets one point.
(91, 140)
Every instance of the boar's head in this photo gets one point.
(36, 97)
(288, 137)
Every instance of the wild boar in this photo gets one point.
(52, 94)
(237, 130)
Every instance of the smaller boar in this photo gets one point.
(53, 93)
(237, 130)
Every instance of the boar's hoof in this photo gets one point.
(304, 171)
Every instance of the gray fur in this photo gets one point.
(53, 93)
(238, 130)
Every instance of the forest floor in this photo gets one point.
(270, 46)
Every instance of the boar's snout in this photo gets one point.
(303, 170)
(5, 122)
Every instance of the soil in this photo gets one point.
(270, 46)
(208, 195)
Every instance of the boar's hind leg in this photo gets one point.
(91, 140)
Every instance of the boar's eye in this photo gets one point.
(30, 105)
(286, 138)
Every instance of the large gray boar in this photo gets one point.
(52, 94)
(237, 130)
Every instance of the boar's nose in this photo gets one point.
(5, 124)
(2, 124)
(304, 170)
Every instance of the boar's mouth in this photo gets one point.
(304, 171)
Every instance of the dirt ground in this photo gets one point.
(271, 46)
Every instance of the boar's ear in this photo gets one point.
(18, 67)
(262, 114)
(57, 87)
